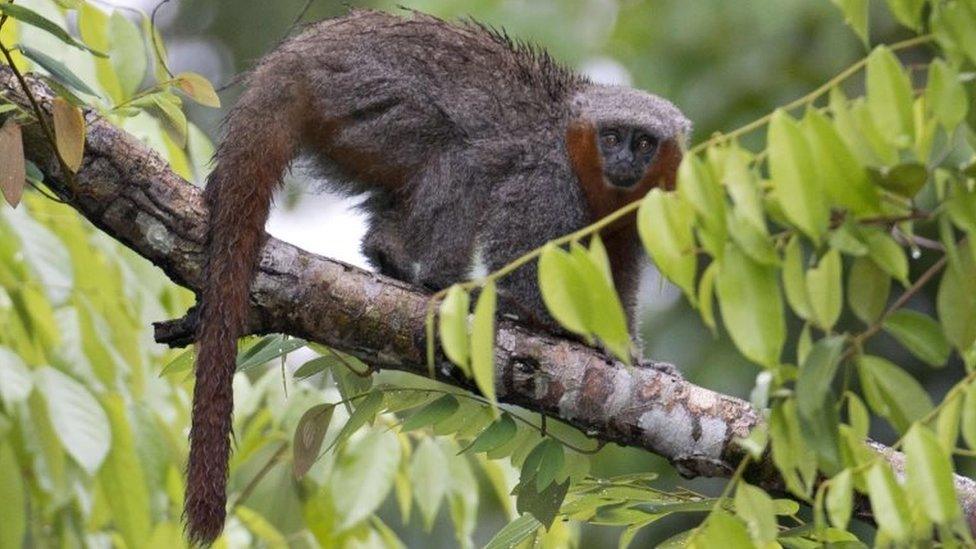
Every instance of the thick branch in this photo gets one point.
(130, 193)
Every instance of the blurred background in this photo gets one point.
(723, 63)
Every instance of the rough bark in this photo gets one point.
(129, 192)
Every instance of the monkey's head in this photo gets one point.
(622, 143)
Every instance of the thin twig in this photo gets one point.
(272, 461)
(153, 30)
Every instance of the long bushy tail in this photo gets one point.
(258, 146)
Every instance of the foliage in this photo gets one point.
(818, 226)
(848, 181)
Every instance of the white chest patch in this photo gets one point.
(478, 268)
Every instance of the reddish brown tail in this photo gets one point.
(258, 147)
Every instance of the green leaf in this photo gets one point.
(55, 67)
(563, 289)
(271, 347)
(14, 496)
(427, 468)
(606, 318)
(961, 209)
(35, 19)
(920, 334)
(889, 96)
(665, 223)
(79, 420)
(817, 413)
(15, 379)
(123, 478)
(892, 393)
(956, 302)
(262, 529)
(496, 434)
(817, 374)
(752, 308)
(93, 26)
(825, 290)
(309, 434)
(755, 507)
(755, 242)
(166, 107)
(697, 187)
(929, 473)
(848, 125)
(945, 95)
(839, 500)
(949, 420)
(723, 530)
(857, 415)
(794, 280)
(856, 15)
(433, 413)
(907, 12)
(888, 502)
(905, 179)
(543, 505)
(867, 290)
(128, 53)
(183, 362)
(795, 462)
(364, 413)
(742, 184)
(845, 239)
(954, 24)
(794, 177)
(453, 327)
(363, 476)
(844, 179)
(483, 342)
(316, 366)
(887, 254)
(706, 293)
(514, 533)
(544, 463)
(598, 255)
(969, 417)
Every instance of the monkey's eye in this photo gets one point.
(646, 144)
(610, 140)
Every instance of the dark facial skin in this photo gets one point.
(627, 153)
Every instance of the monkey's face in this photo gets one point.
(626, 153)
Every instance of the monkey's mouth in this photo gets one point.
(623, 181)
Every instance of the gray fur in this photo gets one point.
(479, 121)
(458, 134)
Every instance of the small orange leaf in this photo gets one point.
(198, 88)
(69, 132)
(13, 174)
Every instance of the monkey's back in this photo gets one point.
(386, 94)
(501, 82)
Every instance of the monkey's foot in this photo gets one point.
(663, 367)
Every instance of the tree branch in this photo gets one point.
(129, 192)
